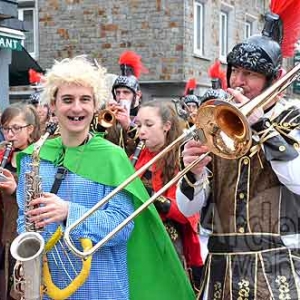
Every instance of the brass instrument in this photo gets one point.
(106, 118)
(31, 273)
(220, 125)
(181, 109)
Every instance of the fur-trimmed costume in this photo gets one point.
(252, 203)
(251, 210)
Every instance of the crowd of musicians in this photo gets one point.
(243, 213)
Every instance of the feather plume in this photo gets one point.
(34, 76)
(190, 87)
(133, 60)
(215, 71)
(289, 13)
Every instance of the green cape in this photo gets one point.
(155, 272)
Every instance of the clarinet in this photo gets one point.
(137, 152)
(8, 149)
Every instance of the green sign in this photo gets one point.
(296, 84)
(10, 43)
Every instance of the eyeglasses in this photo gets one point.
(14, 129)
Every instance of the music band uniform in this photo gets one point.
(252, 203)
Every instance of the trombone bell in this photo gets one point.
(224, 129)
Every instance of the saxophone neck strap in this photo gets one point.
(59, 177)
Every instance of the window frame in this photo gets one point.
(30, 6)
(248, 29)
(199, 34)
(223, 35)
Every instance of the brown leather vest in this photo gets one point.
(246, 197)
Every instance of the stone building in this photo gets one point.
(177, 39)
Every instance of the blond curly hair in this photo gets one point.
(78, 70)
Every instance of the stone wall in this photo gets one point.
(104, 29)
(161, 31)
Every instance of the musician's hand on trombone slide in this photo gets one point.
(192, 150)
(50, 209)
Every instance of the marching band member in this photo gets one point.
(20, 126)
(191, 101)
(129, 265)
(254, 200)
(127, 97)
(158, 126)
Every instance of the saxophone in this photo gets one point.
(32, 277)
(28, 247)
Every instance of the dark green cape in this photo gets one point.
(155, 272)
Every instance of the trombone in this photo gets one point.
(220, 125)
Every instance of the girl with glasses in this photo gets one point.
(20, 126)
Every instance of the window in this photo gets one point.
(198, 28)
(248, 29)
(27, 12)
(223, 35)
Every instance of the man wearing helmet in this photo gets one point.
(253, 200)
(127, 96)
(192, 102)
(189, 103)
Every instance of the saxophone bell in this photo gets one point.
(28, 250)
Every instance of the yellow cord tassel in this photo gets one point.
(54, 239)
(60, 294)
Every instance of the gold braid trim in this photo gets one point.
(265, 135)
(203, 183)
(50, 288)
(282, 131)
(132, 129)
(121, 139)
